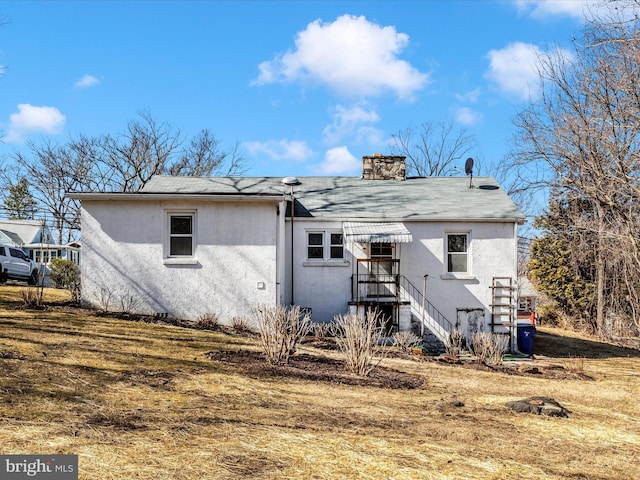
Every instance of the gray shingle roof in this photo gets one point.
(430, 198)
(22, 231)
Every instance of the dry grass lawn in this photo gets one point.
(143, 401)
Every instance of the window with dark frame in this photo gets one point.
(180, 235)
(315, 245)
(337, 246)
(457, 252)
(323, 245)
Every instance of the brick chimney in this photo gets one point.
(383, 167)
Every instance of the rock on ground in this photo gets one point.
(539, 406)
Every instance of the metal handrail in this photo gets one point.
(401, 289)
(417, 300)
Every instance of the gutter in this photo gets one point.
(117, 196)
(382, 219)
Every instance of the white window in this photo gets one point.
(336, 244)
(181, 237)
(457, 252)
(525, 303)
(325, 245)
(315, 245)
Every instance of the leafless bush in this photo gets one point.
(479, 347)
(406, 340)
(454, 345)
(575, 365)
(208, 321)
(106, 296)
(489, 348)
(128, 302)
(31, 297)
(323, 330)
(240, 325)
(281, 330)
(359, 338)
(499, 346)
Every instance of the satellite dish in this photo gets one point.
(468, 169)
(468, 166)
(291, 181)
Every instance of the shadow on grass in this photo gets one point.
(560, 346)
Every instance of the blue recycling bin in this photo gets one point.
(526, 332)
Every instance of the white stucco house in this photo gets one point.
(432, 254)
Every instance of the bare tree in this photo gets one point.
(582, 137)
(144, 149)
(117, 163)
(433, 150)
(52, 171)
(204, 157)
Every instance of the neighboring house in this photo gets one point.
(35, 239)
(23, 232)
(527, 300)
(45, 252)
(186, 247)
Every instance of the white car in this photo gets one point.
(16, 265)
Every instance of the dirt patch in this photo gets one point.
(315, 368)
(10, 354)
(149, 378)
(570, 371)
(117, 420)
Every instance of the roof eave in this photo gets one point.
(276, 198)
(518, 220)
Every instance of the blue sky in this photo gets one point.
(306, 87)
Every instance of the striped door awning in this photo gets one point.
(381, 232)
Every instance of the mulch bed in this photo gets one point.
(313, 368)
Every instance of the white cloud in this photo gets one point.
(352, 56)
(513, 69)
(292, 150)
(371, 136)
(339, 161)
(347, 121)
(87, 81)
(32, 119)
(466, 116)
(548, 8)
(471, 97)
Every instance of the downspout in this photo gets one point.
(280, 249)
(291, 182)
(514, 311)
(293, 215)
